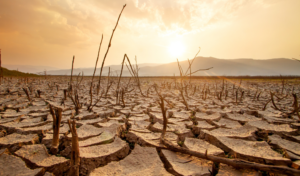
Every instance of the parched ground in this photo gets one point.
(121, 136)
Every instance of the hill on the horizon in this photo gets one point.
(7, 72)
(221, 67)
(29, 68)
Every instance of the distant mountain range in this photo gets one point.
(221, 67)
(7, 72)
(28, 68)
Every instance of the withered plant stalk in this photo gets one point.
(56, 115)
(109, 45)
(91, 88)
(75, 155)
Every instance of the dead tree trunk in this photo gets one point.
(75, 155)
(27, 94)
(76, 102)
(296, 105)
(56, 115)
(163, 110)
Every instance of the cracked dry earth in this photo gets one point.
(215, 121)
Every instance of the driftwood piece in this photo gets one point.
(238, 163)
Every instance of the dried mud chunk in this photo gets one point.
(32, 109)
(36, 114)
(109, 123)
(285, 144)
(180, 115)
(14, 141)
(176, 120)
(181, 131)
(94, 156)
(12, 115)
(154, 109)
(37, 156)
(185, 165)
(226, 123)
(202, 125)
(87, 131)
(68, 112)
(86, 115)
(145, 138)
(5, 120)
(156, 117)
(255, 151)
(278, 120)
(126, 112)
(157, 127)
(104, 138)
(37, 129)
(209, 118)
(226, 170)
(244, 132)
(12, 165)
(118, 118)
(32, 120)
(263, 125)
(23, 124)
(243, 118)
(198, 145)
(139, 126)
(150, 139)
(90, 121)
(144, 117)
(187, 123)
(141, 161)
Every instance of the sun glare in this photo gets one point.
(176, 49)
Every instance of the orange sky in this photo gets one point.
(50, 32)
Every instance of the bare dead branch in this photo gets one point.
(75, 155)
(109, 45)
(56, 115)
(238, 163)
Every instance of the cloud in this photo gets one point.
(180, 17)
(40, 28)
(66, 22)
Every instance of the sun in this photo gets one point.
(176, 49)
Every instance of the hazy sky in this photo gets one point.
(50, 32)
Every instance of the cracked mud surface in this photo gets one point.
(124, 139)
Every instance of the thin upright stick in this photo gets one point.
(190, 65)
(97, 58)
(109, 45)
(120, 74)
(75, 155)
(91, 88)
(163, 111)
(296, 106)
(72, 69)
